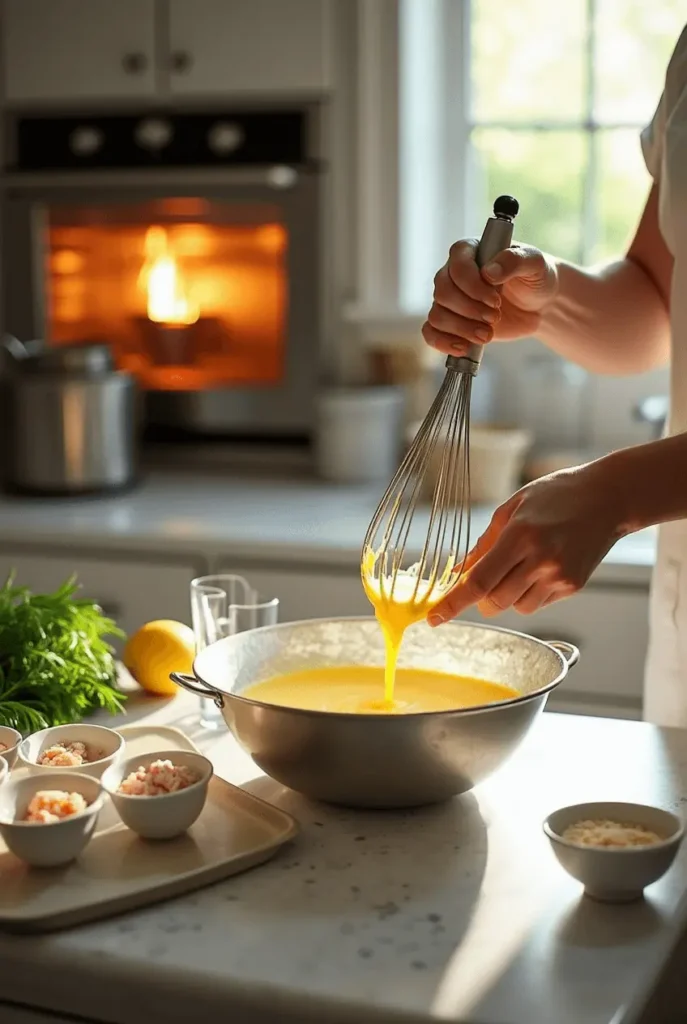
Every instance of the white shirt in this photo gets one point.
(664, 143)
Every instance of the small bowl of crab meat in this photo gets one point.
(87, 749)
(161, 795)
(9, 744)
(48, 820)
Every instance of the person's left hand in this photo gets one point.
(541, 545)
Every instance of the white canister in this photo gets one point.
(359, 433)
(497, 458)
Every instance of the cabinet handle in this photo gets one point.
(134, 63)
(181, 62)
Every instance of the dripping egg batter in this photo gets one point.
(398, 604)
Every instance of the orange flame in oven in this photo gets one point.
(168, 301)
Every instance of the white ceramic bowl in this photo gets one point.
(165, 816)
(60, 842)
(612, 874)
(96, 737)
(4, 770)
(11, 739)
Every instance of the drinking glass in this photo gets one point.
(223, 605)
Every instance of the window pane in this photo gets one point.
(544, 171)
(527, 60)
(633, 43)
(623, 188)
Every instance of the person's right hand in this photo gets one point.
(500, 302)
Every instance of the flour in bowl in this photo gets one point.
(610, 834)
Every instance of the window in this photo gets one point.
(546, 104)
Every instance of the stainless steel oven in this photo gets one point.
(191, 243)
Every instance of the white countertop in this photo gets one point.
(458, 911)
(301, 521)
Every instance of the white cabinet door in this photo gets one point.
(78, 49)
(130, 591)
(249, 47)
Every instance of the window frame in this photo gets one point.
(443, 208)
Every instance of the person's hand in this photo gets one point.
(501, 301)
(541, 545)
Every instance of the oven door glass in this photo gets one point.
(190, 293)
(212, 298)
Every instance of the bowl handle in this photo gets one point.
(194, 685)
(569, 651)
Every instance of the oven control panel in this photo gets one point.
(155, 140)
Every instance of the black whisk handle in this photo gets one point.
(498, 231)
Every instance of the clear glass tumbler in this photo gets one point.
(223, 605)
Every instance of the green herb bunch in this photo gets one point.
(55, 663)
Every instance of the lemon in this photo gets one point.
(155, 650)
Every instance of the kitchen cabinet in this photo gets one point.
(78, 49)
(131, 590)
(306, 594)
(72, 50)
(608, 624)
(610, 627)
(249, 47)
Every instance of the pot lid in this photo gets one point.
(83, 359)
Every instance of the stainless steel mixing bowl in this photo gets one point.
(379, 760)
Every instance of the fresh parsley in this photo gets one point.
(55, 662)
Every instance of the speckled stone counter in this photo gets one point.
(459, 912)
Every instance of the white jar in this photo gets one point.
(552, 402)
(359, 432)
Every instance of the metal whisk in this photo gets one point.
(443, 441)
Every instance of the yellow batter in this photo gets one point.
(357, 689)
(412, 601)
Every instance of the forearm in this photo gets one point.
(648, 482)
(611, 320)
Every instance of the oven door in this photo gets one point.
(79, 259)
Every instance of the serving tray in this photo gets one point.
(118, 871)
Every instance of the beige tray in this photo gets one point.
(118, 871)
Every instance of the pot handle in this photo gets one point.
(194, 685)
(569, 651)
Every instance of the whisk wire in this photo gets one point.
(445, 429)
(448, 506)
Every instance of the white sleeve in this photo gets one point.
(653, 136)
(652, 140)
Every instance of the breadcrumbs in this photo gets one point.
(51, 805)
(159, 778)
(610, 834)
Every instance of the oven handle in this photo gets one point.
(280, 177)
